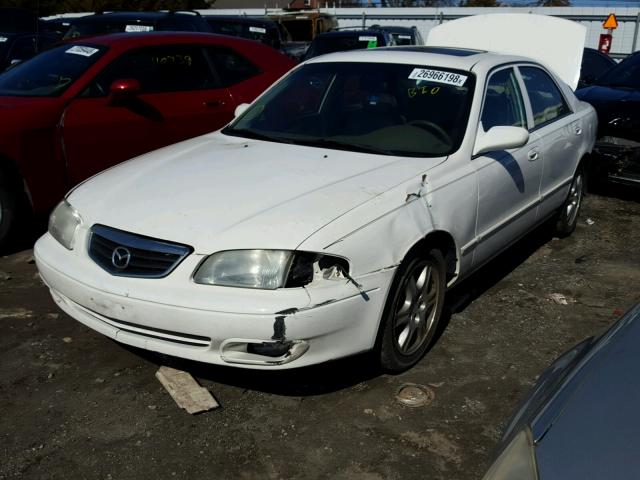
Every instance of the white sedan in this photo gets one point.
(330, 216)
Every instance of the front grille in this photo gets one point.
(129, 255)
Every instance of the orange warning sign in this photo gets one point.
(611, 22)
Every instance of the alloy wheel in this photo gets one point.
(416, 309)
(573, 202)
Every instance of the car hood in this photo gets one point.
(560, 48)
(618, 110)
(595, 434)
(603, 93)
(23, 102)
(218, 192)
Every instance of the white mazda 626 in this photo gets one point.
(330, 216)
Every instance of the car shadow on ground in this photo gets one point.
(298, 382)
(628, 193)
(460, 296)
(29, 230)
(347, 372)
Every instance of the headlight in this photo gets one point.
(517, 460)
(63, 223)
(266, 269)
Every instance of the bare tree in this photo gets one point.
(418, 3)
(479, 3)
(554, 3)
(50, 7)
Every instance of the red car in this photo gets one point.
(83, 106)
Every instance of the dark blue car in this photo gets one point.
(581, 420)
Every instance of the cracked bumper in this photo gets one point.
(219, 325)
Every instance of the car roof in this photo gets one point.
(156, 38)
(241, 19)
(394, 28)
(599, 54)
(148, 16)
(349, 33)
(457, 58)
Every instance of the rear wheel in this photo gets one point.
(568, 214)
(413, 311)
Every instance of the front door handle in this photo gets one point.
(213, 103)
(533, 155)
(578, 130)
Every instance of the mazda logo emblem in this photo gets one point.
(120, 258)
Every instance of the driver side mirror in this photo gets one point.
(240, 109)
(124, 89)
(13, 63)
(500, 138)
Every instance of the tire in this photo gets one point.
(8, 206)
(410, 321)
(567, 217)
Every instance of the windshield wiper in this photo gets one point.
(309, 142)
(247, 133)
(327, 143)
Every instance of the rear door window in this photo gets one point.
(547, 102)
(23, 48)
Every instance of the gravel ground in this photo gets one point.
(77, 405)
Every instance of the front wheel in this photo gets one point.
(7, 209)
(413, 311)
(567, 218)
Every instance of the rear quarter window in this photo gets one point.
(231, 67)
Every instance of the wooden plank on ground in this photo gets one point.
(185, 390)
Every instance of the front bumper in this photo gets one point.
(616, 160)
(284, 328)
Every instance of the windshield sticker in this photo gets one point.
(138, 28)
(3, 39)
(438, 76)
(173, 60)
(258, 30)
(365, 38)
(424, 90)
(80, 50)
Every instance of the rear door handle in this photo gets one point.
(533, 155)
(578, 130)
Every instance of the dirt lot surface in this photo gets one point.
(77, 405)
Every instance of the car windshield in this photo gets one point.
(107, 26)
(341, 43)
(388, 109)
(626, 74)
(50, 73)
(257, 32)
(402, 38)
